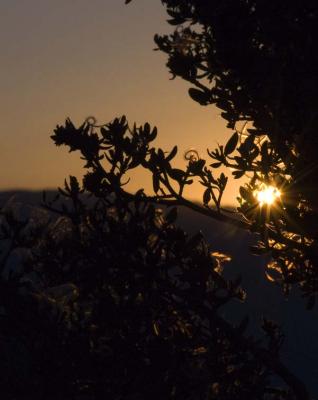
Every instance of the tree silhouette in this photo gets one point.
(257, 62)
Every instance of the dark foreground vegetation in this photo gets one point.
(112, 299)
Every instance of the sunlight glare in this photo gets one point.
(267, 194)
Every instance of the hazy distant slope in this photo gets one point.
(24, 196)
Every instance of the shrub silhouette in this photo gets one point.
(115, 300)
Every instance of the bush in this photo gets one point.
(114, 300)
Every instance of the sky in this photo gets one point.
(77, 58)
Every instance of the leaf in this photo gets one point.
(161, 155)
(249, 142)
(152, 136)
(221, 257)
(199, 96)
(216, 165)
(175, 21)
(222, 180)
(74, 185)
(238, 174)
(244, 193)
(147, 129)
(223, 104)
(206, 196)
(172, 154)
(196, 166)
(140, 193)
(156, 328)
(273, 275)
(134, 163)
(231, 144)
(269, 277)
(264, 153)
(155, 182)
(176, 174)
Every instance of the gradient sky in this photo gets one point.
(75, 58)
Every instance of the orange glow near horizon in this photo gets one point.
(45, 78)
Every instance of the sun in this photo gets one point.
(267, 195)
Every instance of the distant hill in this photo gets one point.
(24, 196)
(300, 351)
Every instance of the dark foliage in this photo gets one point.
(257, 62)
(113, 300)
